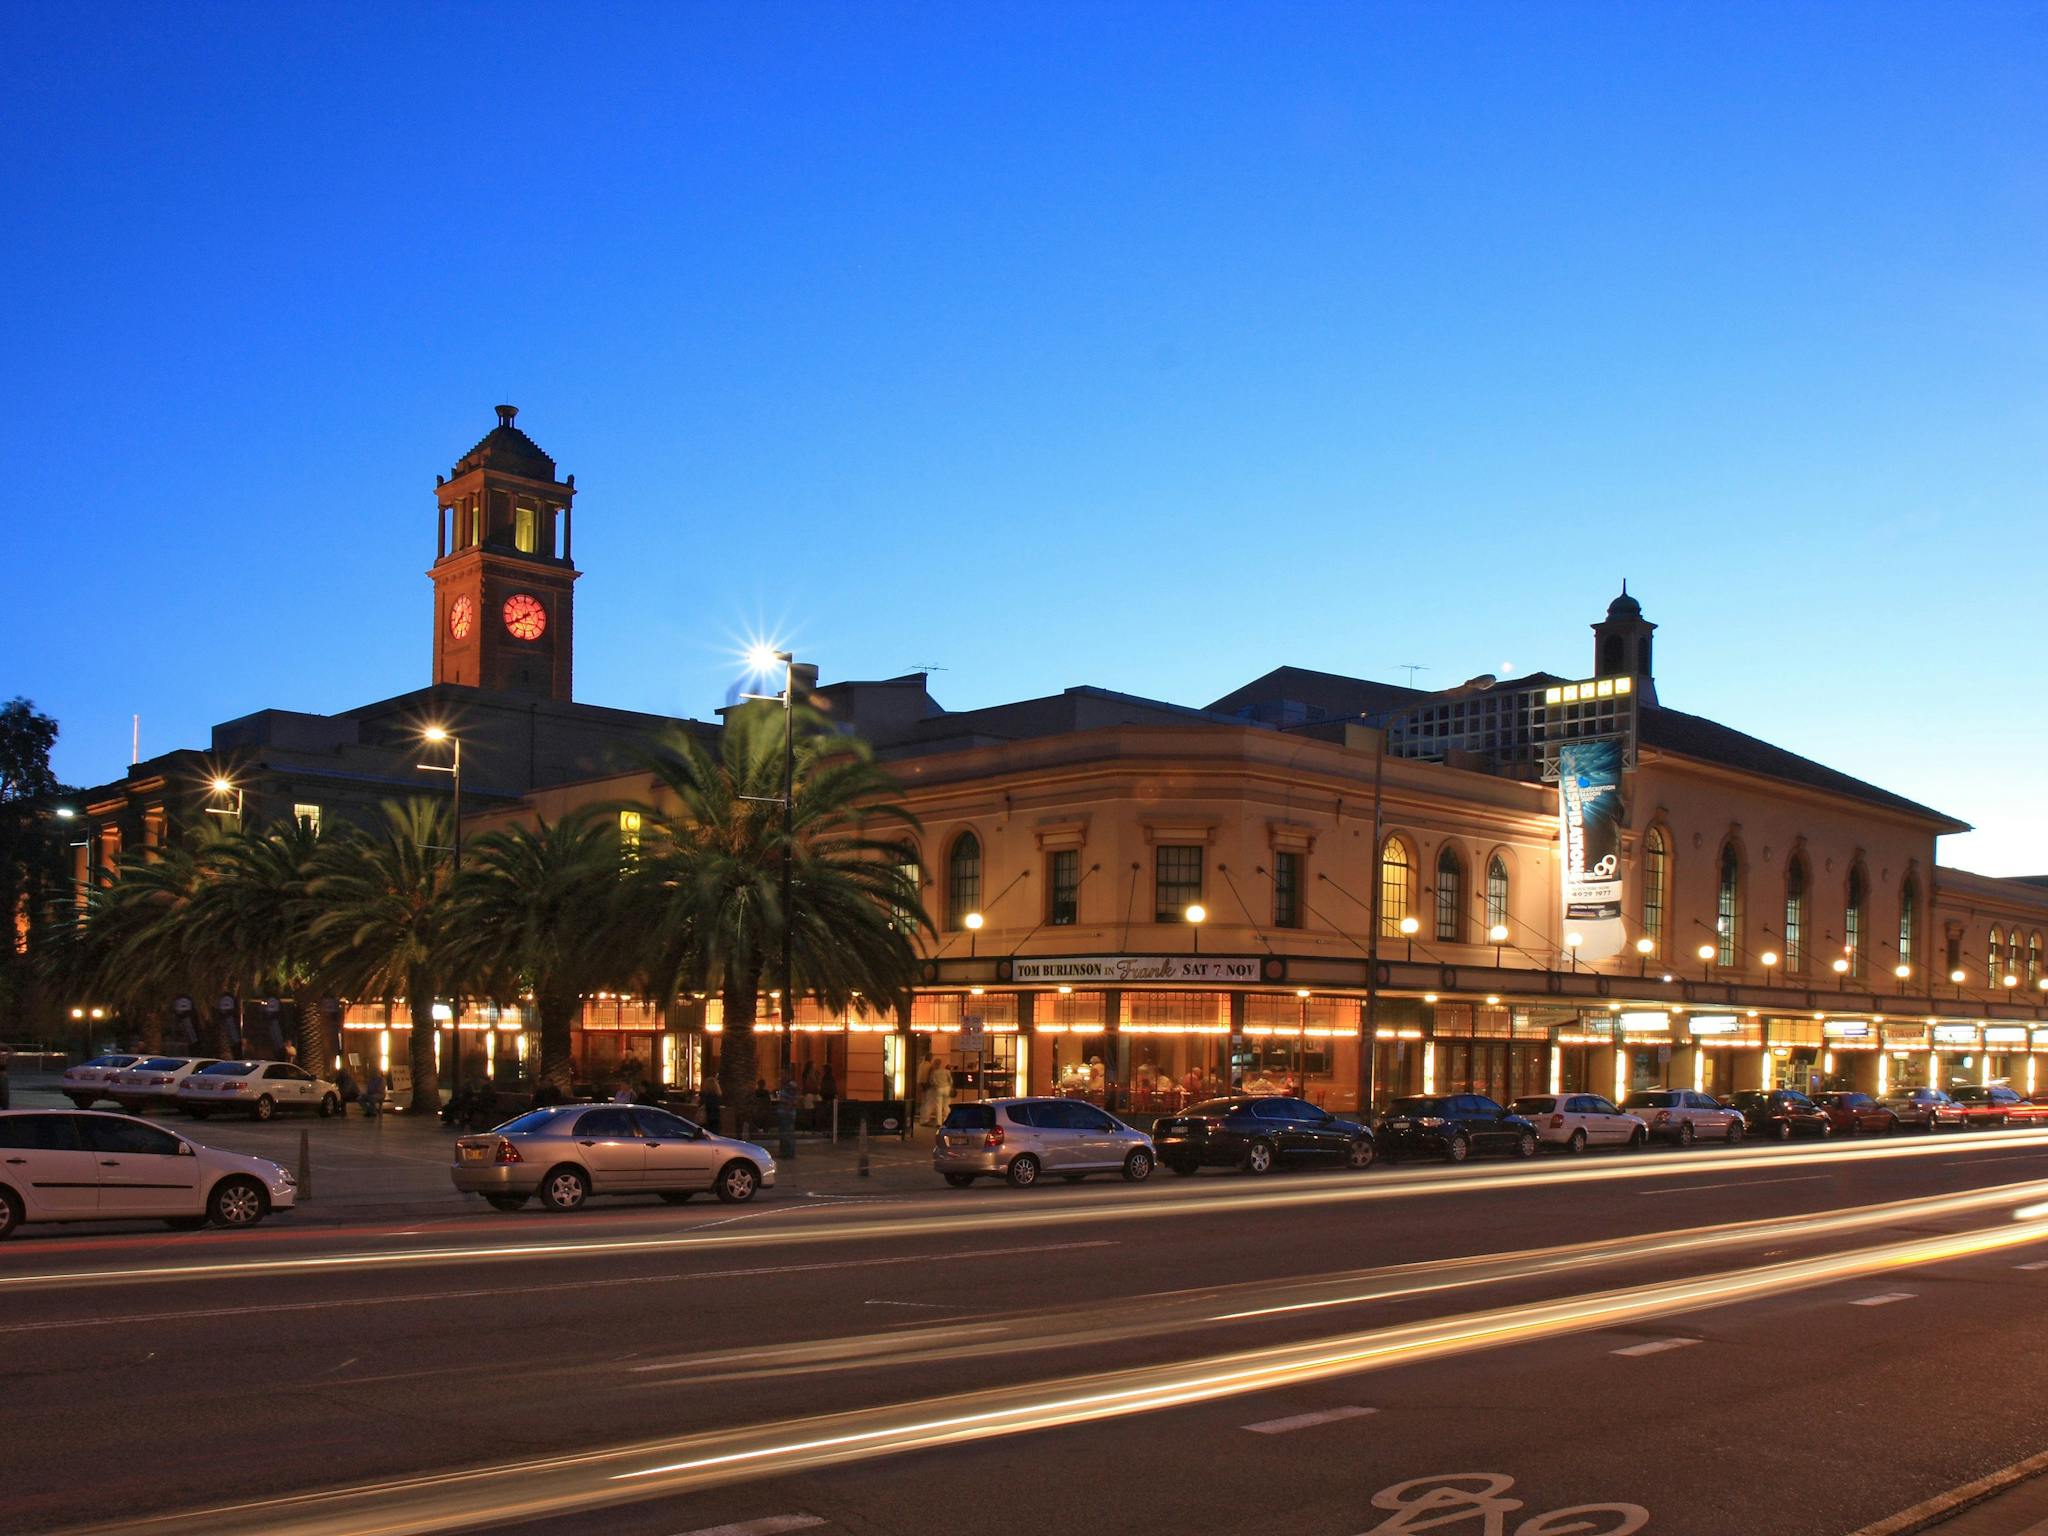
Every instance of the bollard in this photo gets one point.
(305, 1164)
(862, 1166)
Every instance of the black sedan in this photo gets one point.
(1256, 1133)
(1453, 1126)
(1781, 1114)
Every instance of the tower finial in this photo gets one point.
(506, 413)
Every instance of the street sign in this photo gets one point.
(973, 1032)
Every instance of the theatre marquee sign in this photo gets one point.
(1119, 970)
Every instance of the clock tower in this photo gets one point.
(503, 577)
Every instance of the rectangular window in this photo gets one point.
(1177, 881)
(1655, 870)
(1795, 931)
(1286, 890)
(1063, 888)
(308, 818)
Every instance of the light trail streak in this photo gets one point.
(1119, 1207)
(495, 1496)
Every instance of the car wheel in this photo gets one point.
(737, 1182)
(1361, 1153)
(1258, 1157)
(1577, 1143)
(959, 1180)
(184, 1223)
(676, 1196)
(265, 1107)
(1183, 1167)
(566, 1189)
(506, 1202)
(236, 1202)
(1686, 1134)
(1525, 1144)
(1735, 1130)
(1457, 1149)
(1138, 1166)
(10, 1210)
(1931, 1126)
(1781, 1130)
(1023, 1170)
(82, 1100)
(1891, 1125)
(330, 1106)
(1638, 1137)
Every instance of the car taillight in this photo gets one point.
(159, 1081)
(1557, 1122)
(234, 1085)
(994, 1138)
(507, 1153)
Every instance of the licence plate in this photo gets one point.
(472, 1154)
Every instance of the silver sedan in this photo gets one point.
(568, 1154)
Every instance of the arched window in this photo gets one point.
(1397, 887)
(1993, 961)
(1656, 884)
(963, 880)
(1496, 893)
(2034, 959)
(1795, 914)
(1450, 897)
(1852, 919)
(1728, 906)
(1909, 916)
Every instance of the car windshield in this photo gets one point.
(1214, 1106)
(110, 1061)
(1748, 1096)
(1971, 1095)
(971, 1117)
(1649, 1101)
(1415, 1106)
(160, 1064)
(230, 1069)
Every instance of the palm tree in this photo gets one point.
(706, 886)
(137, 944)
(254, 902)
(533, 912)
(381, 913)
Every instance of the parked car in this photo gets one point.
(87, 1083)
(1685, 1115)
(1854, 1113)
(1024, 1140)
(30, 1057)
(1928, 1108)
(65, 1165)
(1995, 1105)
(1780, 1113)
(260, 1088)
(1452, 1126)
(572, 1152)
(1576, 1121)
(1258, 1132)
(153, 1080)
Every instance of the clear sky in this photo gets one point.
(1145, 345)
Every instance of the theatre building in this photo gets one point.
(1356, 890)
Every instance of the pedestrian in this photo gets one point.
(346, 1087)
(763, 1109)
(373, 1093)
(942, 1092)
(828, 1090)
(713, 1104)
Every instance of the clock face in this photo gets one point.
(525, 617)
(461, 615)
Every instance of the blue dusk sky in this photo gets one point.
(1147, 346)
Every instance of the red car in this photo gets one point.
(1851, 1113)
(1997, 1105)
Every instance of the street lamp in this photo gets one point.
(1301, 1045)
(436, 734)
(763, 659)
(1706, 954)
(1497, 935)
(1956, 980)
(1840, 965)
(1645, 947)
(1902, 971)
(225, 789)
(1410, 926)
(1572, 941)
(1196, 914)
(1770, 960)
(972, 922)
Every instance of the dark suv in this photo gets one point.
(1453, 1126)
(1257, 1132)
(1781, 1114)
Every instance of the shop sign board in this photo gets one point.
(2005, 1034)
(1714, 1024)
(1955, 1034)
(1846, 1029)
(1119, 969)
(1656, 1022)
(1589, 810)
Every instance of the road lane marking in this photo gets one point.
(1307, 1420)
(1675, 1189)
(773, 1525)
(1656, 1346)
(1882, 1301)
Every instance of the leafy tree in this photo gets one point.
(380, 901)
(255, 908)
(32, 857)
(534, 911)
(707, 882)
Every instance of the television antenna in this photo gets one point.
(928, 667)
(1411, 668)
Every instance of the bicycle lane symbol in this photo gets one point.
(1476, 1504)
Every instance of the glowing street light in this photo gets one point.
(224, 789)
(1572, 941)
(1706, 953)
(972, 923)
(1497, 936)
(1196, 915)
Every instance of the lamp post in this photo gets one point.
(1196, 914)
(1956, 980)
(972, 922)
(764, 659)
(1706, 954)
(1840, 965)
(1770, 963)
(225, 789)
(1572, 941)
(1497, 936)
(1301, 1045)
(435, 735)
(1645, 947)
(1902, 971)
(1410, 926)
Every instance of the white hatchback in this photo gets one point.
(87, 1083)
(1576, 1121)
(257, 1088)
(153, 1080)
(63, 1165)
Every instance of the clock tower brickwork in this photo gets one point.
(504, 582)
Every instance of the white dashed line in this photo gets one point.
(1307, 1420)
(1656, 1346)
(1882, 1301)
(773, 1525)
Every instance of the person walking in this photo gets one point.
(373, 1093)
(828, 1090)
(713, 1105)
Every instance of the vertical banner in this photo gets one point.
(1589, 806)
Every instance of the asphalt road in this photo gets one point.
(1774, 1339)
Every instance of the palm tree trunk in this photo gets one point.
(556, 1015)
(317, 1045)
(737, 1067)
(426, 1079)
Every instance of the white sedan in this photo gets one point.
(88, 1082)
(257, 1088)
(1576, 1121)
(1686, 1115)
(153, 1080)
(62, 1165)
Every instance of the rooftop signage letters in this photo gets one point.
(1119, 969)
